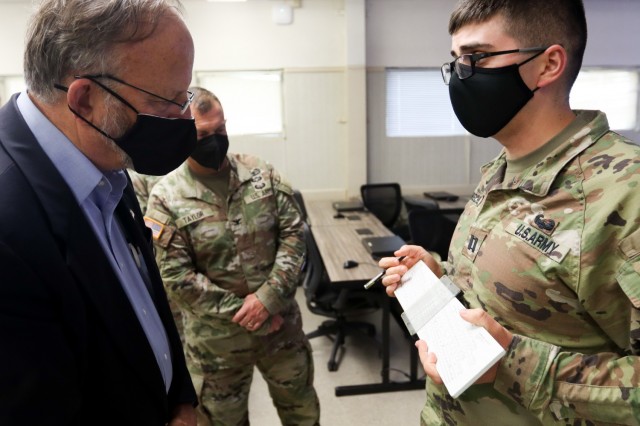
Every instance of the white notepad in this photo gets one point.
(464, 351)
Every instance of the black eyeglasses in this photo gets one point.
(465, 65)
(183, 106)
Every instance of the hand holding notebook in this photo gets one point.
(464, 351)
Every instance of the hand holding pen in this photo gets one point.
(395, 267)
(378, 277)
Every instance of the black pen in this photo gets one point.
(375, 279)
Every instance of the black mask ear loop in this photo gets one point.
(105, 88)
(531, 59)
(66, 89)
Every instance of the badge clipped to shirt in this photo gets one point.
(155, 226)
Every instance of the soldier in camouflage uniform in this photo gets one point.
(229, 243)
(142, 184)
(547, 252)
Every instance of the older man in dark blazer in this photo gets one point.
(86, 334)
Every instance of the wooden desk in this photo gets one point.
(444, 206)
(322, 213)
(339, 240)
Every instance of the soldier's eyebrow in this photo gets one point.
(473, 47)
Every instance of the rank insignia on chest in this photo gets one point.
(473, 243)
(476, 198)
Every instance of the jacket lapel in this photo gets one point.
(85, 257)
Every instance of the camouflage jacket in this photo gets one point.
(213, 252)
(554, 256)
(142, 185)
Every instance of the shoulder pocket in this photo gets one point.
(161, 230)
(629, 274)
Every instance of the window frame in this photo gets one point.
(635, 127)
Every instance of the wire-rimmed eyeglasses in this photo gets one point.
(465, 65)
(183, 106)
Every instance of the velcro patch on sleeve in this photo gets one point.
(156, 227)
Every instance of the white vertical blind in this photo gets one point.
(418, 104)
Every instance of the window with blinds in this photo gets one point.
(418, 105)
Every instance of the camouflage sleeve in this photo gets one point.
(190, 290)
(283, 280)
(603, 387)
(140, 188)
(142, 185)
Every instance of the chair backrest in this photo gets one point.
(432, 230)
(297, 195)
(384, 200)
(315, 281)
(425, 204)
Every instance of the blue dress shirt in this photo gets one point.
(98, 194)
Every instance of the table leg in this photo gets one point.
(385, 385)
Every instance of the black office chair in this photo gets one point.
(384, 200)
(420, 204)
(326, 299)
(432, 229)
(297, 195)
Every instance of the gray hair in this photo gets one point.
(203, 99)
(79, 36)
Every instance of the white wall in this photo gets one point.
(13, 25)
(323, 151)
(333, 56)
(413, 33)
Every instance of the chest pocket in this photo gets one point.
(629, 280)
(203, 225)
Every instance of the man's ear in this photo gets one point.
(554, 66)
(80, 97)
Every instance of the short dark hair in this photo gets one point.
(203, 99)
(533, 23)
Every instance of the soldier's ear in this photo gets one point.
(553, 66)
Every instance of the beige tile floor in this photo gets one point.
(360, 364)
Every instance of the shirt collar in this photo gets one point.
(584, 131)
(82, 176)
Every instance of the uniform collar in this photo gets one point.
(584, 131)
(240, 173)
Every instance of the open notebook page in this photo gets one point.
(464, 351)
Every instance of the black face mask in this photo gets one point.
(211, 151)
(156, 145)
(488, 100)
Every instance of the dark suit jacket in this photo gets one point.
(72, 351)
